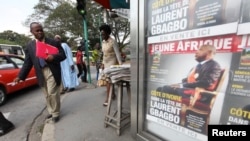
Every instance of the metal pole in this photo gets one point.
(105, 16)
(86, 46)
(99, 24)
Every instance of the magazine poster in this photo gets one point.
(186, 19)
(176, 30)
(236, 108)
(214, 12)
(169, 64)
(244, 21)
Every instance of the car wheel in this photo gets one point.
(3, 96)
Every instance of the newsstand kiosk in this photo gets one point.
(165, 35)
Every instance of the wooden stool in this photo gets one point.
(113, 120)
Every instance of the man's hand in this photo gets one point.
(175, 86)
(72, 67)
(49, 58)
(17, 80)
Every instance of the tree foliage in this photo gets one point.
(64, 21)
(61, 17)
(13, 38)
(121, 31)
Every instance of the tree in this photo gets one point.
(42, 10)
(10, 37)
(120, 26)
(65, 21)
(58, 17)
(61, 17)
(121, 31)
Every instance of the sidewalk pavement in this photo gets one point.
(82, 117)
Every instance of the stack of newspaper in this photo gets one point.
(118, 72)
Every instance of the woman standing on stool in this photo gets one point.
(111, 54)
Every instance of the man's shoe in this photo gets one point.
(55, 119)
(52, 120)
(65, 89)
(5, 130)
(48, 116)
(71, 89)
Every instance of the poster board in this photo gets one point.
(176, 30)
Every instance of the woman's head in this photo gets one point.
(105, 31)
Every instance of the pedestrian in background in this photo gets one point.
(111, 55)
(82, 69)
(69, 76)
(5, 125)
(97, 55)
(48, 70)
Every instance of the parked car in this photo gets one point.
(9, 68)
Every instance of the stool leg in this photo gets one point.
(119, 106)
(128, 92)
(109, 105)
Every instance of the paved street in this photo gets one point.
(82, 117)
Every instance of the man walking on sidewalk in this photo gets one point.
(48, 70)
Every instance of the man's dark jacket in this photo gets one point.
(209, 73)
(32, 60)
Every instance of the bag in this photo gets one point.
(101, 83)
(101, 79)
